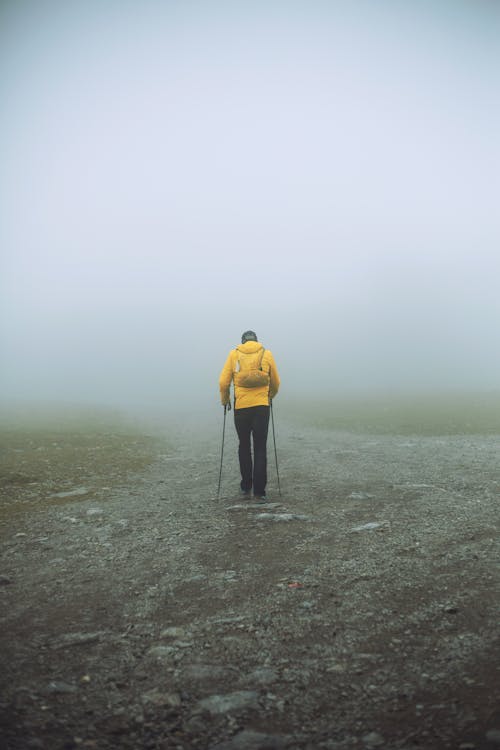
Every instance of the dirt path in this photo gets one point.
(359, 610)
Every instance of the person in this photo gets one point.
(253, 371)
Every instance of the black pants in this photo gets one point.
(253, 421)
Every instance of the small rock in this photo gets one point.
(61, 688)
(161, 653)
(493, 736)
(171, 700)
(222, 704)
(72, 493)
(117, 724)
(75, 639)
(370, 526)
(201, 672)
(35, 744)
(252, 506)
(373, 739)
(281, 517)
(261, 676)
(5, 581)
(95, 512)
(248, 740)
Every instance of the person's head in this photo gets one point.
(248, 336)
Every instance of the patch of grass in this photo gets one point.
(43, 455)
(423, 414)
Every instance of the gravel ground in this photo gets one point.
(359, 609)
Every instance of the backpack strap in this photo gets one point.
(261, 358)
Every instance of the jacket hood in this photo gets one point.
(249, 347)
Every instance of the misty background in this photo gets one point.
(174, 173)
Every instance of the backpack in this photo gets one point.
(249, 372)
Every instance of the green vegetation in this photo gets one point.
(423, 414)
(45, 455)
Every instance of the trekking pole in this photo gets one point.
(275, 451)
(222, 449)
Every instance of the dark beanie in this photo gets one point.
(248, 336)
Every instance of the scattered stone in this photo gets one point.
(155, 697)
(76, 639)
(222, 704)
(116, 724)
(248, 740)
(360, 496)
(161, 653)
(72, 493)
(61, 688)
(261, 676)
(282, 517)
(253, 506)
(371, 525)
(373, 739)
(95, 512)
(5, 581)
(35, 743)
(493, 736)
(228, 620)
(202, 672)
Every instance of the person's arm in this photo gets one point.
(274, 378)
(225, 379)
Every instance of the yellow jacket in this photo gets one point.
(246, 397)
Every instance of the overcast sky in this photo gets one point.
(174, 173)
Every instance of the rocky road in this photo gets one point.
(359, 609)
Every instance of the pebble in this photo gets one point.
(248, 740)
(61, 687)
(282, 517)
(5, 581)
(75, 639)
(161, 653)
(72, 493)
(201, 672)
(253, 506)
(370, 526)
(373, 739)
(171, 700)
(222, 704)
(261, 676)
(493, 736)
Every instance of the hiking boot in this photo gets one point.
(245, 493)
(260, 498)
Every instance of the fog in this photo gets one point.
(174, 173)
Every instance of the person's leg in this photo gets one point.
(260, 425)
(243, 424)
